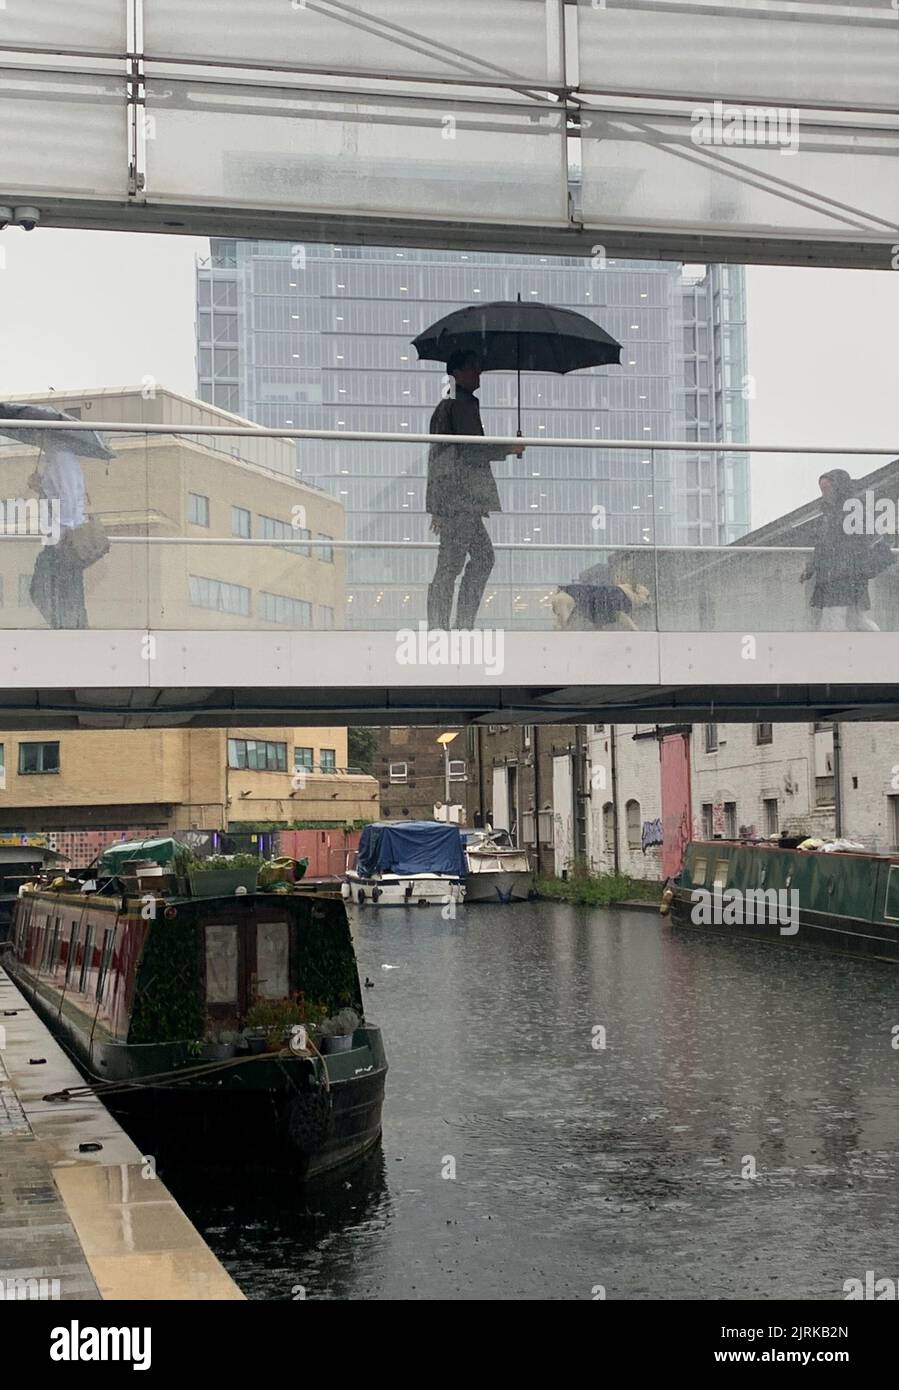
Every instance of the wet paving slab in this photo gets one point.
(587, 1103)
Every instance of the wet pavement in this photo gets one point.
(579, 1167)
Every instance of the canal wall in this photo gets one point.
(82, 1213)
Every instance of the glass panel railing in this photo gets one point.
(253, 530)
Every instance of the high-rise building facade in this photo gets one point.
(319, 336)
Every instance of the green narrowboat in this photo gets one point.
(847, 901)
(155, 996)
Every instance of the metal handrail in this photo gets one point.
(693, 446)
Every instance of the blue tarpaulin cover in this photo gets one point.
(412, 847)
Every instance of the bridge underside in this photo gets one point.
(96, 680)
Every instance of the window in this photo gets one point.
(24, 591)
(708, 821)
(632, 813)
(197, 509)
(720, 879)
(764, 733)
(221, 965)
(700, 869)
(328, 760)
(290, 612)
(273, 529)
(219, 596)
(257, 755)
(271, 960)
(608, 827)
(38, 757)
(241, 523)
(70, 955)
(105, 960)
(771, 817)
(457, 770)
(2, 769)
(824, 791)
(730, 820)
(891, 906)
(398, 772)
(324, 552)
(86, 959)
(324, 617)
(711, 738)
(303, 758)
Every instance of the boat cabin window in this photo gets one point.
(272, 981)
(700, 868)
(105, 960)
(891, 907)
(221, 964)
(720, 879)
(86, 959)
(70, 955)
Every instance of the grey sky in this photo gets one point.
(92, 309)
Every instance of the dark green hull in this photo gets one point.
(843, 902)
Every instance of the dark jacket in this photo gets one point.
(460, 478)
(839, 564)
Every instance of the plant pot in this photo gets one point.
(216, 1052)
(221, 883)
(256, 1044)
(338, 1042)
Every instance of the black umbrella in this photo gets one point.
(86, 443)
(515, 336)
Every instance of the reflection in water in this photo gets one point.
(576, 1165)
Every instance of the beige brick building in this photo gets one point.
(207, 490)
(179, 779)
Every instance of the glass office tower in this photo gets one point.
(320, 336)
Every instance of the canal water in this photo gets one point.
(586, 1103)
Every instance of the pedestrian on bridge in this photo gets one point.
(461, 492)
(843, 563)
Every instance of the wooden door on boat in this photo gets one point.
(247, 960)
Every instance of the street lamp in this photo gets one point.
(446, 739)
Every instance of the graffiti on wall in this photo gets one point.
(651, 834)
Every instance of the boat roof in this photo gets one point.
(772, 845)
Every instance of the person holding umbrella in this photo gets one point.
(508, 335)
(461, 492)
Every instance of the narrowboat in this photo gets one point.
(403, 863)
(235, 1017)
(497, 870)
(846, 901)
(21, 863)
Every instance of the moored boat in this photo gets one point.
(844, 901)
(497, 870)
(19, 864)
(203, 1010)
(402, 863)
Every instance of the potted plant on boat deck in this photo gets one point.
(273, 1020)
(336, 1034)
(223, 874)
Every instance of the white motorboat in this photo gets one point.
(497, 870)
(407, 863)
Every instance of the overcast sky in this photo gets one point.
(91, 309)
